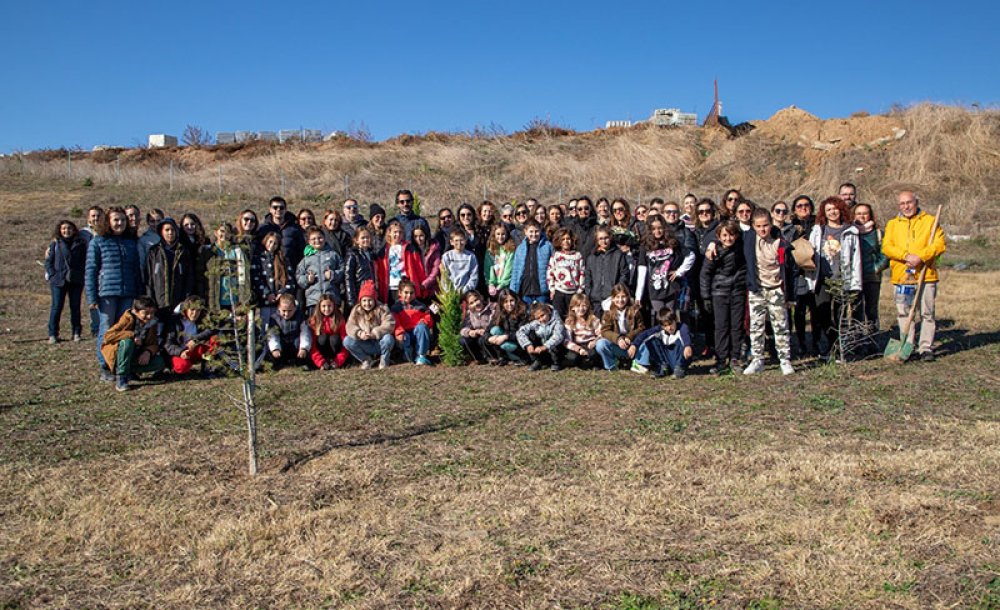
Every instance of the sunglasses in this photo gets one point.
(800, 206)
(521, 213)
(619, 210)
(405, 201)
(350, 207)
(732, 198)
(743, 211)
(705, 212)
(277, 207)
(445, 217)
(248, 219)
(671, 212)
(780, 211)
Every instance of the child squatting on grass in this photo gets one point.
(131, 344)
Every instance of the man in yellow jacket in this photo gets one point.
(908, 246)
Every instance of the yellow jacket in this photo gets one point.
(910, 236)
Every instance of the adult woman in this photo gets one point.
(727, 207)
(621, 216)
(65, 265)
(838, 262)
(376, 226)
(640, 213)
(690, 216)
(742, 213)
(553, 220)
(431, 255)
(336, 237)
(603, 207)
(803, 219)
(306, 219)
(873, 263)
(246, 227)
(540, 215)
(112, 277)
(468, 220)
(197, 243)
(398, 261)
(779, 217)
(487, 214)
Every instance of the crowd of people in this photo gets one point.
(578, 284)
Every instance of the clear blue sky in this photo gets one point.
(86, 73)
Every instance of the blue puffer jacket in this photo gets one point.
(517, 267)
(112, 268)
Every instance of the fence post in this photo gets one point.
(220, 180)
(118, 170)
(347, 186)
(560, 200)
(69, 164)
(281, 175)
(171, 174)
(484, 193)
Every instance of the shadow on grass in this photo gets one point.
(299, 459)
(954, 339)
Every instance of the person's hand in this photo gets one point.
(672, 276)
(191, 344)
(302, 354)
(623, 342)
(311, 277)
(271, 298)
(93, 305)
(364, 335)
(275, 354)
(143, 358)
(630, 351)
(710, 251)
(541, 349)
(328, 275)
(185, 355)
(493, 291)
(912, 261)
(688, 352)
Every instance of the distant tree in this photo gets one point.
(359, 132)
(195, 136)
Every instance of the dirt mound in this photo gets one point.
(794, 125)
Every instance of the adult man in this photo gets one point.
(150, 238)
(134, 215)
(908, 246)
(406, 216)
(849, 193)
(280, 220)
(95, 214)
(353, 220)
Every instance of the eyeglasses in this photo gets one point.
(521, 213)
(732, 198)
(248, 219)
(405, 201)
(350, 207)
(780, 211)
(671, 212)
(622, 210)
(705, 212)
(445, 217)
(801, 206)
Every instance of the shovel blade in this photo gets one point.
(898, 350)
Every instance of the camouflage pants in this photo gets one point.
(769, 303)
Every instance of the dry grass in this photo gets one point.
(949, 153)
(867, 486)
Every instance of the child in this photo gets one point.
(359, 266)
(369, 328)
(397, 261)
(565, 271)
(770, 281)
(288, 336)
(605, 268)
(724, 286)
(169, 271)
(413, 325)
(529, 275)
(65, 264)
(660, 261)
(620, 325)
(476, 325)
(130, 345)
(270, 275)
(543, 336)
(328, 332)
(665, 349)
(320, 271)
(462, 267)
(228, 271)
(499, 259)
(510, 316)
(583, 329)
(190, 339)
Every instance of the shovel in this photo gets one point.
(899, 350)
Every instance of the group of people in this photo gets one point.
(585, 284)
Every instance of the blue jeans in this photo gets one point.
(59, 294)
(416, 342)
(366, 350)
(656, 355)
(610, 353)
(109, 309)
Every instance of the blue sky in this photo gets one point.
(82, 74)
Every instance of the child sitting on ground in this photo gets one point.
(288, 336)
(620, 325)
(369, 329)
(328, 330)
(509, 317)
(583, 329)
(476, 325)
(190, 338)
(665, 349)
(413, 325)
(131, 346)
(543, 337)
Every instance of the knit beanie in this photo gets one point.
(376, 209)
(367, 290)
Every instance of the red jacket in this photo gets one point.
(413, 270)
(327, 329)
(408, 316)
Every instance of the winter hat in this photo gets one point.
(367, 290)
(167, 221)
(376, 209)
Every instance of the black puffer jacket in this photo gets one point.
(583, 228)
(293, 240)
(603, 271)
(359, 266)
(726, 274)
(170, 274)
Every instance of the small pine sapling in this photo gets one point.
(450, 326)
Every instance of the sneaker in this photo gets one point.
(555, 368)
(638, 368)
(53, 340)
(536, 365)
(927, 356)
(106, 375)
(366, 364)
(76, 337)
(679, 373)
(383, 363)
(756, 366)
(121, 384)
(423, 361)
(786, 367)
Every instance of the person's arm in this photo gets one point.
(890, 248)
(302, 273)
(929, 252)
(473, 275)
(305, 337)
(558, 333)
(91, 272)
(522, 334)
(508, 267)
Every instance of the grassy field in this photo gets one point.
(861, 486)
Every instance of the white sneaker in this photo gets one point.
(366, 364)
(383, 364)
(786, 367)
(755, 366)
(638, 368)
